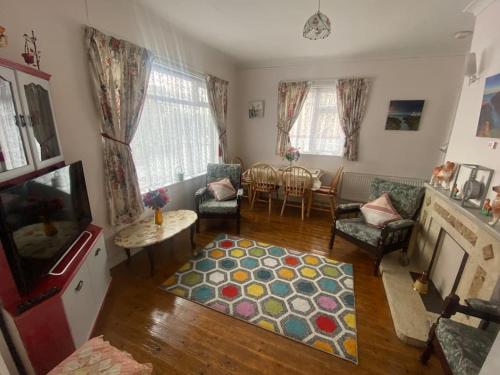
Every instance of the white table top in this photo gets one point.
(145, 232)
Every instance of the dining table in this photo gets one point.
(316, 174)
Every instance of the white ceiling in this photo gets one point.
(257, 32)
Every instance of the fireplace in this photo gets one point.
(461, 254)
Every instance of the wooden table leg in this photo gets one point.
(309, 203)
(127, 251)
(193, 240)
(150, 250)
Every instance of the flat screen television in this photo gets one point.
(39, 220)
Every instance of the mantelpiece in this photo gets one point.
(477, 276)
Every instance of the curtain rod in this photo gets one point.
(175, 66)
(321, 80)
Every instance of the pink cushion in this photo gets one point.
(97, 356)
(222, 190)
(380, 211)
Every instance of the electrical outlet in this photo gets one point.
(492, 144)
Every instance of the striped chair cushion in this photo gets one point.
(380, 211)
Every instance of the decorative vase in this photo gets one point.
(158, 216)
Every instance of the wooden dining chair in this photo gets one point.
(245, 179)
(296, 182)
(330, 192)
(263, 179)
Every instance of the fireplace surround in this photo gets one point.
(442, 221)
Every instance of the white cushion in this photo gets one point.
(380, 211)
(222, 190)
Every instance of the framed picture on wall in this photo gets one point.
(404, 114)
(489, 117)
(256, 108)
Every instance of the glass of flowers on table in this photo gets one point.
(157, 199)
(292, 154)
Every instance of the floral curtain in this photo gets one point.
(217, 98)
(291, 98)
(120, 73)
(352, 95)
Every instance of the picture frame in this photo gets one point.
(404, 115)
(488, 125)
(256, 109)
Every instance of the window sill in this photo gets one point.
(319, 154)
(172, 184)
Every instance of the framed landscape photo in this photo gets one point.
(489, 117)
(404, 114)
(256, 109)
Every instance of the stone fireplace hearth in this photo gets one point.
(466, 262)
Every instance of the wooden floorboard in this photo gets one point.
(181, 337)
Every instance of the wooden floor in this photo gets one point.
(180, 337)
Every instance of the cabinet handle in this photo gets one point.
(97, 252)
(79, 286)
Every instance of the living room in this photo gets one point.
(292, 112)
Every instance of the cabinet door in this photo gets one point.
(15, 157)
(80, 306)
(97, 262)
(42, 129)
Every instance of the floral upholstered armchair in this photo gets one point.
(462, 349)
(208, 207)
(348, 222)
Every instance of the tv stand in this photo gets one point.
(59, 314)
(32, 302)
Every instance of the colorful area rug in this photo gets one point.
(305, 297)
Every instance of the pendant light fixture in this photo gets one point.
(317, 26)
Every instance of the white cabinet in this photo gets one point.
(28, 131)
(84, 296)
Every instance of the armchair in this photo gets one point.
(462, 349)
(348, 222)
(208, 207)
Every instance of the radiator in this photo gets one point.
(355, 187)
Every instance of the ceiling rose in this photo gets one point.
(317, 26)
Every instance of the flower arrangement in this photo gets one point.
(156, 199)
(292, 154)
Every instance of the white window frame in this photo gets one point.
(314, 126)
(165, 67)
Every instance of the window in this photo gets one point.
(317, 129)
(176, 131)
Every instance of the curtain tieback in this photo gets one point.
(282, 127)
(222, 134)
(104, 135)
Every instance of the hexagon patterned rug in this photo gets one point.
(305, 297)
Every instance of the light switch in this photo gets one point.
(492, 144)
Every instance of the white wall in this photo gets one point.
(58, 24)
(413, 154)
(464, 146)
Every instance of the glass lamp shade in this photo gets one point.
(317, 27)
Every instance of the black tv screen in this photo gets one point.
(39, 220)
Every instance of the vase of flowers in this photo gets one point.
(156, 200)
(292, 154)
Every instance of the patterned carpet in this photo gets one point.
(305, 297)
